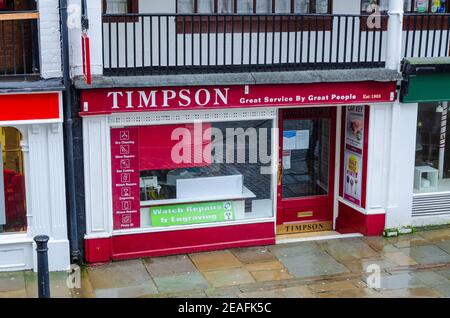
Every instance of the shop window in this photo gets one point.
(192, 174)
(12, 183)
(432, 163)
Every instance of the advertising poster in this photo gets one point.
(353, 154)
(193, 213)
(354, 134)
(125, 177)
(353, 177)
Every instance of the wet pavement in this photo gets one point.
(415, 265)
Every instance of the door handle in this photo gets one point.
(280, 173)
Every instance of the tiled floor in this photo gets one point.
(416, 265)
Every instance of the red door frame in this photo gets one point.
(287, 208)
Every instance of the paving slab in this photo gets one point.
(350, 293)
(271, 275)
(349, 249)
(230, 277)
(400, 281)
(435, 235)
(444, 272)
(10, 282)
(361, 266)
(416, 292)
(209, 261)
(121, 279)
(223, 292)
(380, 244)
(314, 264)
(400, 258)
(253, 255)
(181, 282)
(407, 240)
(290, 292)
(332, 286)
(170, 265)
(295, 249)
(58, 285)
(444, 245)
(265, 266)
(427, 254)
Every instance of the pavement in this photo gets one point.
(414, 265)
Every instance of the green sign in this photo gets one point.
(427, 88)
(195, 213)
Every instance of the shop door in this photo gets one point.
(306, 170)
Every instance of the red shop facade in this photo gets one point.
(172, 170)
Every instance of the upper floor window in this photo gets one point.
(120, 6)
(366, 5)
(15, 5)
(426, 6)
(254, 6)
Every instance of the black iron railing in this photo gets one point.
(19, 49)
(146, 44)
(426, 35)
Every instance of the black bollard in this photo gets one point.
(42, 261)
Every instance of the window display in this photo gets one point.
(12, 182)
(432, 164)
(191, 174)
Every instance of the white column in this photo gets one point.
(97, 174)
(401, 166)
(394, 35)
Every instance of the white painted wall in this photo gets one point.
(49, 39)
(43, 150)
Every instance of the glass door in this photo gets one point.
(306, 170)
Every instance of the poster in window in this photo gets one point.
(352, 177)
(354, 134)
(353, 153)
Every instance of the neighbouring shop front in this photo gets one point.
(183, 169)
(426, 85)
(32, 188)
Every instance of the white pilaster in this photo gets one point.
(97, 167)
(401, 165)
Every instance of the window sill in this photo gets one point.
(192, 227)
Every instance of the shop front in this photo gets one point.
(185, 169)
(425, 86)
(32, 200)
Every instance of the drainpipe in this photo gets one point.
(68, 138)
(394, 35)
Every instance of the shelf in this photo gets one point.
(247, 194)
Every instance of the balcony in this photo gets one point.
(161, 44)
(426, 35)
(19, 48)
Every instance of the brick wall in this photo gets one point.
(49, 39)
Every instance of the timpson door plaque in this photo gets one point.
(304, 227)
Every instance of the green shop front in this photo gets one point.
(426, 85)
